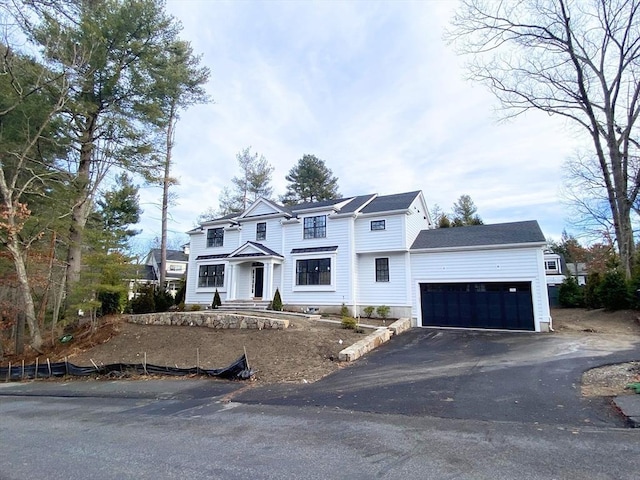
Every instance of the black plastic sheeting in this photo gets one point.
(238, 370)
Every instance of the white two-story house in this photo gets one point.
(360, 251)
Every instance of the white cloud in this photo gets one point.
(370, 88)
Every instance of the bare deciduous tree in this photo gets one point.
(575, 58)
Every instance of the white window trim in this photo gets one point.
(333, 256)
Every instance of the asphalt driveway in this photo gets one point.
(469, 375)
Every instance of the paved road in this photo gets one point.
(430, 405)
(469, 375)
(129, 438)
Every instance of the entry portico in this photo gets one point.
(254, 272)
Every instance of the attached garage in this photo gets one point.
(495, 305)
(481, 277)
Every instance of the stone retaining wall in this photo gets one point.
(365, 345)
(399, 326)
(373, 340)
(209, 319)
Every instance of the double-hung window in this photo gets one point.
(382, 269)
(215, 237)
(316, 271)
(261, 231)
(315, 227)
(211, 276)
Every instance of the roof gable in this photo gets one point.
(263, 206)
(253, 249)
(514, 233)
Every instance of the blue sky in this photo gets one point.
(370, 88)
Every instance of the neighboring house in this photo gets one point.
(556, 270)
(149, 273)
(373, 250)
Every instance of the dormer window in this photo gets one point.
(315, 227)
(215, 237)
(261, 231)
(378, 225)
(550, 265)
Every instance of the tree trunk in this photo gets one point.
(81, 207)
(166, 183)
(24, 295)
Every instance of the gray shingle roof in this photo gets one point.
(172, 255)
(390, 203)
(324, 203)
(480, 235)
(356, 203)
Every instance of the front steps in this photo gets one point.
(245, 305)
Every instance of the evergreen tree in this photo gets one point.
(310, 181)
(253, 182)
(464, 212)
(109, 50)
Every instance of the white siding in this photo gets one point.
(416, 221)
(262, 209)
(395, 292)
(274, 235)
(339, 291)
(522, 264)
(391, 238)
(198, 247)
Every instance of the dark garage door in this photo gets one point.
(499, 305)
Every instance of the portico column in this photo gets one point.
(232, 282)
(268, 270)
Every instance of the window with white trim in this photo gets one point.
(315, 227)
(382, 269)
(211, 276)
(261, 231)
(313, 271)
(378, 225)
(215, 237)
(550, 265)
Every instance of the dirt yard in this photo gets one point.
(609, 380)
(305, 352)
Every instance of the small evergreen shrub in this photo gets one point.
(163, 300)
(344, 310)
(592, 291)
(349, 323)
(276, 303)
(383, 311)
(613, 291)
(634, 291)
(112, 298)
(216, 300)
(368, 311)
(180, 294)
(570, 294)
(144, 301)
(195, 308)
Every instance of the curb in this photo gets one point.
(629, 406)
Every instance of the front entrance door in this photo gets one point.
(258, 281)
